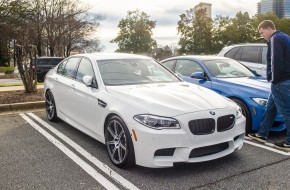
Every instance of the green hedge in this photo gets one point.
(7, 70)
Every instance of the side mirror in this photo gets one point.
(198, 75)
(89, 81)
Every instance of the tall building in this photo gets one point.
(280, 7)
(206, 6)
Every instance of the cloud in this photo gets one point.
(164, 12)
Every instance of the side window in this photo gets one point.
(70, 67)
(169, 64)
(85, 68)
(264, 55)
(61, 67)
(187, 67)
(232, 52)
(251, 54)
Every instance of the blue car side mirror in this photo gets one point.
(198, 75)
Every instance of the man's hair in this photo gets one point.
(267, 24)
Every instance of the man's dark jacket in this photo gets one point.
(278, 60)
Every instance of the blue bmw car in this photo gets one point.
(231, 79)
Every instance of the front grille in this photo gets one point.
(208, 150)
(225, 122)
(202, 126)
(164, 152)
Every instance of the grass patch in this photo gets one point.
(7, 85)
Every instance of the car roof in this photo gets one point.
(248, 44)
(106, 56)
(200, 57)
(50, 58)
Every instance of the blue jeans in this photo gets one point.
(279, 100)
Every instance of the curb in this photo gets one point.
(22, 106)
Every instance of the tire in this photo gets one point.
(41, 78)
(50, 107)
(119, 143)
(246, 112)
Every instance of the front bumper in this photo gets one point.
(163, 148)
(257, 112)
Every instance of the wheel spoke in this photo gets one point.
(120, 154)
(115, 127)
(111, 132)
(113, 151)
(123, 147)
(120, 134)
(110, 142)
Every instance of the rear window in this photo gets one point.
(53, 61)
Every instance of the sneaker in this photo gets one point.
(257, 137)
(282, 146)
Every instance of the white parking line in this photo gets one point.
(267, 146)
(115, 176)
(90, 170)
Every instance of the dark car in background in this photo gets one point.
(44, 64)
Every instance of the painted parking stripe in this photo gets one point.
(89, 169)
(102, 166)
(268, 146)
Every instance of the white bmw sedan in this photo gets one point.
(141, 111)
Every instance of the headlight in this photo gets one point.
(261, 101)
(239, 112)
(157, 122)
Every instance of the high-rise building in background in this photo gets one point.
(280, 7)
(206, 6)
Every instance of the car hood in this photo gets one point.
(170, 99)
(249, 82)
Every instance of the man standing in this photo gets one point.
(278, 73)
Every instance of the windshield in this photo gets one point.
(134, 71)
(227, 68)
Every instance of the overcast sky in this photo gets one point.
(164, 12)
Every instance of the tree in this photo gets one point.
(65, 23)
(160, 53)
(135, 33)
(89, 45)
(195, 28)
(33, 25)
(242, 29)
(220, 32)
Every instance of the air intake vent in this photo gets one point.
(164, 152)
(208, 150)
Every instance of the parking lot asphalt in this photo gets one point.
(11, 108)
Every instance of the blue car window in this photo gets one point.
(227, 68)
(187, 67)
